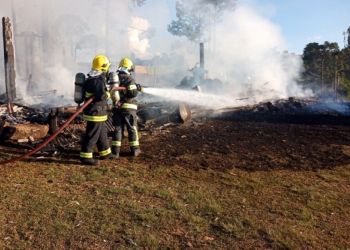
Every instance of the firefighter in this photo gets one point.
(96, 113)
(124, 111)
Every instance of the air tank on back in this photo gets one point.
(79, 88)
(113, 81)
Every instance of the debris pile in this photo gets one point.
(158, 115)
(24, 125)
(292, 110)
(27, 126)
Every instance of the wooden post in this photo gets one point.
(53, 120)
(9, 62)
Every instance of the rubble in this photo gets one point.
(292, 110)
(23, 132)
(28, 126)
(159, 114)
(22, 114)
(57, 115)
(161, 118)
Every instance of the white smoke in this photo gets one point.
(248, 55)
(53, 42)
(138, 43)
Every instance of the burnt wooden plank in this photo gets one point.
(9, 62)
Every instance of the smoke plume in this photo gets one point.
(53, 42)
(247, 52)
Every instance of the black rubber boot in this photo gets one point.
(135, 152)
(106, 157)
(115, 151)
(90, 161)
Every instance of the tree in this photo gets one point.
(321, 59)
(139, 2)
(221, 5)
(327, 66)
(344, 73)
(193, 16)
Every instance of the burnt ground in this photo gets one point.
(243, 139)
(223, 144)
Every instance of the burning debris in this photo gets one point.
(23, 125)
(157, 114)
(292, 110)
(27, 125)
(23, 132)
(157, 119)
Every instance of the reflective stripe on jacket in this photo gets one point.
(95, 118)
(129, 106)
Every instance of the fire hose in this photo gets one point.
(53, 136)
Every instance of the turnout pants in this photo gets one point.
(125, 118)
(95, 134)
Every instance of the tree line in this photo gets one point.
(327, 68)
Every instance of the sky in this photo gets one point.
(300, 21)
(305, 21)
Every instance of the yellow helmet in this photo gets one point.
(101, 63)
(126, 65)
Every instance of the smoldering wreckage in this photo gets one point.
(179, 133)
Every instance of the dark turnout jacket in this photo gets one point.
(127, 97)
(96, 86)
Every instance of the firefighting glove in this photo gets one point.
(106, 96)
(139, 87)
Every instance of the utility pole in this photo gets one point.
(335, 75)
(322, 76)
(201, 60)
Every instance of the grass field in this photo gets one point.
(123, 204)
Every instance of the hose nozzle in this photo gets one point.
(139, 87)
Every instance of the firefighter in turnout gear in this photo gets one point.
(124, 111)
(96, 113)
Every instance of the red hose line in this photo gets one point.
(53, 136)
(119, 88)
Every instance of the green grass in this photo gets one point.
(157, 207)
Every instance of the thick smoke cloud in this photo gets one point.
(243, 49)
(248, 54)
(56, 39)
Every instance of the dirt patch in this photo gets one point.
(219, 144)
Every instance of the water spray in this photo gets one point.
(196, 98)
